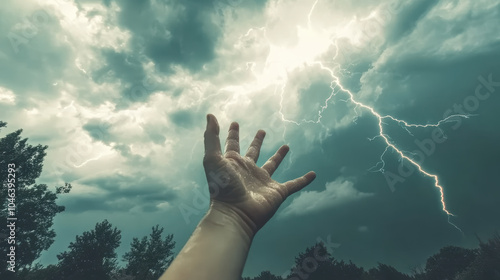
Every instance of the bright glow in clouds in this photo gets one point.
(7, 96)
(305, 51)
(297, 47)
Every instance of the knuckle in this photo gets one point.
(232, 154)
(209, 159)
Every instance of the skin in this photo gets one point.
(243, 197)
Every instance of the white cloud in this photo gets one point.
(7, 96)
(337, 193)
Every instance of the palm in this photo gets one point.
(237, 184)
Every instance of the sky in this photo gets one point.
(389, 102)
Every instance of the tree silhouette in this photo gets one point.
(266, 275)
(314, 263)
(38, 272)
(449, 262)
(92, 255)
(120, 274)
(386, 272)
(149, 257)
(487, 263)
(344, 271)
(35, 205)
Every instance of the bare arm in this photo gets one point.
(243, 199)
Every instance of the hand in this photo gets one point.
(238, 187)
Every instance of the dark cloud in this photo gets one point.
(119, 66)
(122, 193)
(183, 118)
(408, 16)
(432, 83)
(31, 56)
(99, 130)
(186, 36)
(93, 203)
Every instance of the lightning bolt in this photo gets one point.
(92, 159)
(390, 145)
(337, 87)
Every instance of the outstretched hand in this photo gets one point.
(238, 187)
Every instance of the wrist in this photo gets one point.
(221, 214)
(219, 238)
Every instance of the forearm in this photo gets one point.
(217, 249)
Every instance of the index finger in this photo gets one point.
(212, 141)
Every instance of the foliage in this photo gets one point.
(92, 255)
(264, 275)
(449, 262)
(317, 263)
(149, 257)
(487, 264)
(38, 272)
(385, 272)
(37, 208)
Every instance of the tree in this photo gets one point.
(386, 272)
(267, 275)
(120, 274)
(348, 271)
(315, 263)
(92, 255)
(35, 206)
(149, 257)
(486, 265)
(449, 262)
(38, 272)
